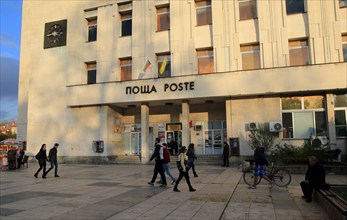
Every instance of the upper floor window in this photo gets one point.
(91, 72)
(250, 56)
(247, 9)
(203, 12)
(126, 69)
(298, 53)
(295, 6)
(92, 29)
(164, 65)
(205, 61)
(344, 47)
(303, 117)
(126, 23)
(343, 3)
(163, 18)
(340, 102)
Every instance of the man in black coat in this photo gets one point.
(226, 152)
(314, 178)
(159, 165)
(52, 156)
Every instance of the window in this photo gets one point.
(295, 6)
(163, 18)
(91, 72)
(250, 57)
(343, 3)
(126, 69)
(164, 65)
(203, 12)
(126, 20)
(298, 53)
(303, 117)
(340, 115)
(92, 29)
(248, 9)
(344, 47)
(205, 61)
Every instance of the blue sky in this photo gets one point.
(10, 33)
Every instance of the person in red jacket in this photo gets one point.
(166, 163)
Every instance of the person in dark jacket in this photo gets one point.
(158, 168)
(226, 152)
(166, 163)
(191, 158)
(260, 161)
(52, 156)
(314, 178)
(183, 160)
(42, 158)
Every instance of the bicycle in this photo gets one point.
(279, 176)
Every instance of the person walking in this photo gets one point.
(191, 158)
(166, 162)
(260, 161)
(314, 178)
(158, 167)
(183, 169)
(226, 152)
(41, 156)
(52, 156)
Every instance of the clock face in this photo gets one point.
(55, 34)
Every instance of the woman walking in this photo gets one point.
(42, 158)
(182, 161)
(166, 163)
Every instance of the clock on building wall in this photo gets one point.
(55, 34)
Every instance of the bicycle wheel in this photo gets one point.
(248, 177)
(282, 177)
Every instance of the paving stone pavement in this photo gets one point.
(114, 192)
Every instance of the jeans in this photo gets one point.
(54, 164)
(168, 172)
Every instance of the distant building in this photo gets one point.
(105, 78)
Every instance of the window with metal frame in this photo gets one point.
(250, 56)
(203, 12)
(295, 6)
(164, 65)
(298, 52)
(247, 9)
(205, 61)
(126, 24)
(344, 47)
(163, 18)
(340, 107)
(126, 69)
(343, 3)
(92, 29)
(91, 72)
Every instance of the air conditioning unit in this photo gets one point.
(275, 126)
(198, 127)
(251, 126)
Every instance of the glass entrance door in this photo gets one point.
(135, 143)
(213, 141)
(174, 141)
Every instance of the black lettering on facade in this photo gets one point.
(173, 87)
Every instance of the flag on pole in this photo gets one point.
(163, 66)
(146, 66)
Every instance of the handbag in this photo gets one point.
(179, 166)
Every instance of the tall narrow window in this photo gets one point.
(164, 65)
(126, 20)
(340, 104)
(298, 53)
(126, 69)
(163, 18)
(250, 57)
(295, 6)
(92, 29)
(205, 61)
(248, 9)
(91, 72)
(344, 47)
(203, 12)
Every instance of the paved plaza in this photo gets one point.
(121, 192)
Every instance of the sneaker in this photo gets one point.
(176, 190)
(252, 187)
(173, 182)
(150, 183)
(163, 185)
(192, 190)
(35, 175)
(56, 176)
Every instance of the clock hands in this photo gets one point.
(54, 34)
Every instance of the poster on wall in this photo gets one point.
(161, 127)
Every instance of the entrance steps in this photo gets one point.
(204, 159)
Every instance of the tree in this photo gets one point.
(263, 135)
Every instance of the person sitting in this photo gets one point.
(314, 178)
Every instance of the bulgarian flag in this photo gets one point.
(163, 66)
(146, 66)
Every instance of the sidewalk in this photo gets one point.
(121, 192)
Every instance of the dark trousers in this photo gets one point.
(54, 164)
(42, 164)
(159, 168)
(225, 160)
(193, 167)
(185, 175)
(307, 189)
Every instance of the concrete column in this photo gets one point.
(228, 117)
(331, 120)
(185, 124)
(144, 133)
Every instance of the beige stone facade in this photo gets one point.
(56, 103)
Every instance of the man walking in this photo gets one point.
(159, 157)
(52, 156)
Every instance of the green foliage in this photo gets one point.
(290, 154)
(263, 135)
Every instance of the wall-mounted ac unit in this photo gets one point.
(251, 126)
(198, 127)
(275, 126)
